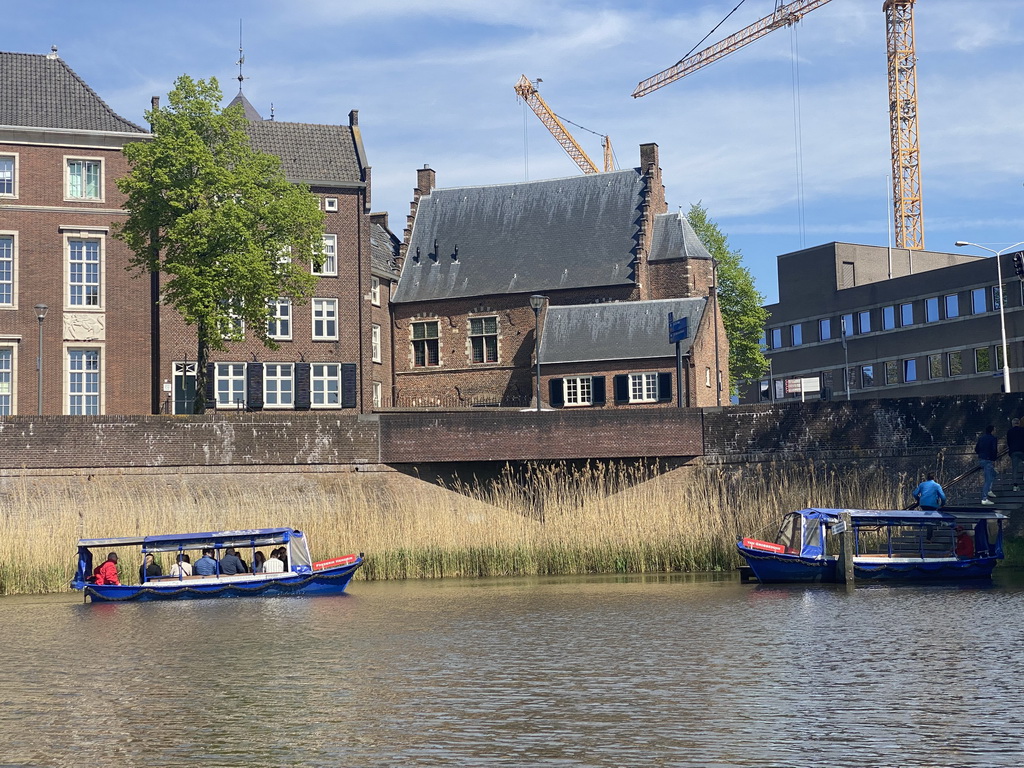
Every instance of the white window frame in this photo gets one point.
(325, 319)
(643, 387)
(68, 161)
(375, 343)
(233, 375)
(13, 157)
(13, 237)
(329, 268)
(375, 290)
(72, 403)
(278, 385)
(378, 395)
(325, 385)
(331, 204)
(577, 391)
(707, 377)
(279, 324)
(101, 251)
(8, 380)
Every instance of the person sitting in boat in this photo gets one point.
(183, 567)
(929, 494)
(964, 543)
(150, 569)
(273, 563)
(231, 564)
(106, 572)
(257, 562)
(205, 565)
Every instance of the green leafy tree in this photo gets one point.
(217, 219)
(743, 315)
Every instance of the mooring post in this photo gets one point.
(846, 544)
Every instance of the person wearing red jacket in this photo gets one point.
(106, 572)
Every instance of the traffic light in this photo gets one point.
(1018, 263)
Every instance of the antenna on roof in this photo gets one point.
(271, 110)
(241, 57)
(53, 53)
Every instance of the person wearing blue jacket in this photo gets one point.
(929, 494)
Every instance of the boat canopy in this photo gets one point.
(253, 537)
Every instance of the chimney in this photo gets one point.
(353, 118)
(154, 103)
(648, 157)
(379, 219)
(425, 180)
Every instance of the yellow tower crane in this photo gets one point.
(527, 91)
(899, 20)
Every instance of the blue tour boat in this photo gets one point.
(301, 576)
(888, 545)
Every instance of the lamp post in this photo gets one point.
(537, 301)
(1002, 302)
(40, 316)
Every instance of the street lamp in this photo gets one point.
(40, 316)
(1002, 302)
(537, 301)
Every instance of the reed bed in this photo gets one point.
(541, 520)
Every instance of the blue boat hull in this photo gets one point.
(961, 570)
(330, 581)
(772, 568)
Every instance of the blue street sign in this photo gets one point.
(677, 329)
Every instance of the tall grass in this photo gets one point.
(598, 518)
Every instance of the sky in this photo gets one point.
(785, 142)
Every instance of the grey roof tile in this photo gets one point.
(38, 91)
(383, 251)
(309, 152)
(674, 238)
(626, 330)
(575, 232)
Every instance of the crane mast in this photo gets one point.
(527, 91)
(906, 162)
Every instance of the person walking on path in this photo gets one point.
(929, 494)
(1015, 447)
(987, 449)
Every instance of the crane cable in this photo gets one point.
(615, 158)
(798, 136)
(709, 34)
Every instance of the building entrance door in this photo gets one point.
(184, 387)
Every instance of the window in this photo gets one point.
(375, 291)
(325, 319)
(906, 314)
(278, 387)
(231, 327)
(230, 380)
(931, 309)
(864, 322)
(643, 387)
(997, 298)
(83, 382)
(707, 378)
(982, 360)
(955, 363)
(776, 335)
(330, 203)
(798, 334)
(425, 344)
(329, 267)
(952, 306)
(888, 318)
(378, 395)
(280, 324)
(85, 180)
(8, 187)
(825, 329)
(762, 341)
(846, 324)
(892, 372)
(910, 370)
(375, 342)
(999, 357)
(867, 375)
(978, 301)
(325, 385)
(577, 390)
(7, 288)
(483, 338)
(6, 381)
(934, 366)
(83, 273)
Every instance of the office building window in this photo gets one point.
(7, 381)
(230, 384)
(906, 314)
(864, 322)
(997, 298)
(7, 176)
(931, 309)
(278, 386)
(934, 366)
(955, 363)
(999, 357)
(375, 343)
(798, 334)
(577, 390)
(867, 375)
(888, 318)
(425, 347)
(825, 329)
(329, 266)
(892, 372)
(83, 382)
(846, 325)
(84, 273)
(84, 180)
(978, 301)
(910, 370)
(325, 319)
(483, 339)
(982, 360)
(776, 336)
(952, 306)
(7, 288)
(375, 291)
(280, 324)
(325, 385)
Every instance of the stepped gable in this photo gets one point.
(310, 153)
(41, 91)
(575, 232)
(674, 238)
(624, 330)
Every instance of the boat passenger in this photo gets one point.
(150, 569)
(282, 555)
(273, 564)
(257, 563)
(183, 567)
(964, 543)
(205, 565)
(106, 572)
(231, 564)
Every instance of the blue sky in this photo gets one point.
(433, 85)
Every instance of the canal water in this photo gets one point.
(603, 671)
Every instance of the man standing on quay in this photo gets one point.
(987, 449)
(1015, 447)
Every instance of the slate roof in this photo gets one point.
(624, 330)
(38, 91)
(383, 251)
(310, 153)
(674, 238)
(575, 232)
(248, 109)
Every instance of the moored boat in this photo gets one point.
(301, 576)
(888, 545)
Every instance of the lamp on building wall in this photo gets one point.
(1002, 302)
(537, 301)
(41, 310)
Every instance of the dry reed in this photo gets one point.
(545, 520)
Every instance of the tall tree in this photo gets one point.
(217, 219)
(743, 315)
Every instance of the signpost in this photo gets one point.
(677, 331)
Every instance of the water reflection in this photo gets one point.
(628, 671)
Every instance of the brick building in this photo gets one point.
(60, 153)
(472, 257)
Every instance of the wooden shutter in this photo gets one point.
(620, 384)
(211, 386)
(302, 382)
(664, 387)
(556, 398)
(597, 390)
(254, 386)
(349, 385)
